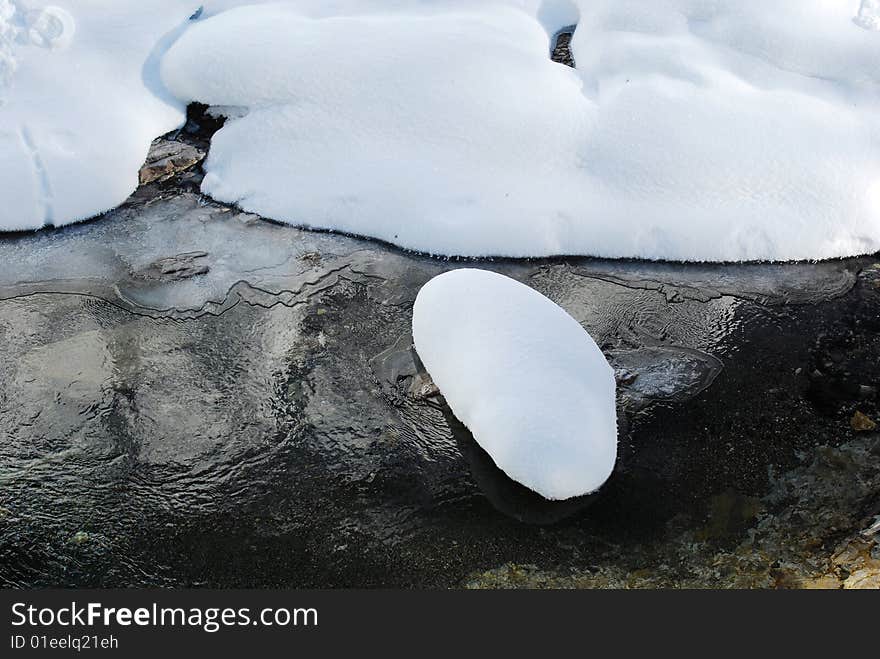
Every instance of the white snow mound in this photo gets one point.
(691, 130)
(525, 378)
(80, 102)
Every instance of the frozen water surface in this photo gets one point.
(192, 395)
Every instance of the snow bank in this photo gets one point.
(523, 376)
(80, 102)
(869, 15)
(691, 130)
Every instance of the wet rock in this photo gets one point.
(662, 373)
(862, 423)
(867, 392)
(787, 580)
(864, 578)
(177, 268)
(856, 566)
(624, 376)
(168, 158)
(80, 538)
(423, 387)
(783, 546)
(562, 48)
(730, 513)
(399, 369)
(872, 530)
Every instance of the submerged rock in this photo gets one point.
(176, 268)
(662, 373)
(862, 422)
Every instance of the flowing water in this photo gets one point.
(190, 395)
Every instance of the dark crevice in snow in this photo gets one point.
(173, 162)
(562, 46)
(200, 126)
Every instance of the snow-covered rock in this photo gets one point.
(80, 103)
(525, 378)
(692, 130)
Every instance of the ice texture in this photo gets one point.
(80, 102)
(691, 130)
(525, 378)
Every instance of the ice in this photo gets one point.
(692, 130)
(80, 103)
(525, 378)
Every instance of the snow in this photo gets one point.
(869, 15)
(80, 102)
(691, 129)
(525, 378)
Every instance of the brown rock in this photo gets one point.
(867, 578)
(862, 422)
(168, 157)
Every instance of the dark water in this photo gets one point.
(251, 413)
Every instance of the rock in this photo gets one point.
(862, 422)
(80, 538)
(423, 387)
(625, 376)
(562, 51)
(663, 373)
(523, 376)
(864, 579)
(400, 364)
(177, 268)
(873, 529)
(167, 158)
